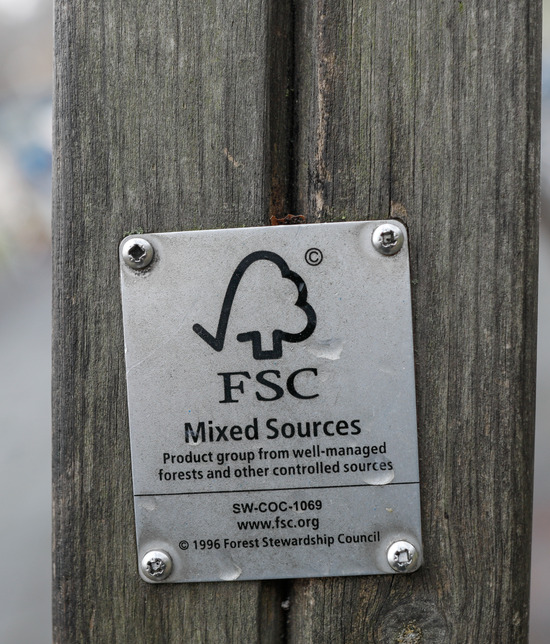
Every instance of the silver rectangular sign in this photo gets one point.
(270, 377)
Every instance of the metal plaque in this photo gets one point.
(270, 377)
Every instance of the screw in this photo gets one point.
(403, 556)
(137, 253)
(388, 239)
(156, 565)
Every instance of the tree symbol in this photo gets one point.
(217, 341)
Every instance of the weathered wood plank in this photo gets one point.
(429, 112)
(163, 119)
(175, 115)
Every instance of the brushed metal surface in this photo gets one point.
(271, 393)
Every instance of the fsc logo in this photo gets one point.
(255, 337)
(233, 382)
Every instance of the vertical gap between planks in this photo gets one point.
(282, 127)
(280, 64)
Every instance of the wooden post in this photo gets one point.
(179, 114)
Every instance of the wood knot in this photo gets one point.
(411, 634)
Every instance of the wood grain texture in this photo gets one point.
(429, 112)
(163, 120)
(179, 115)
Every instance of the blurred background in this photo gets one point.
(25, 194)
